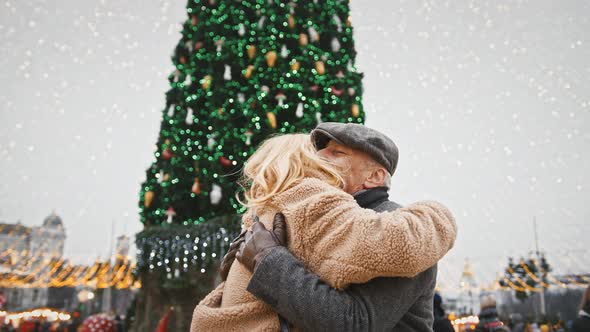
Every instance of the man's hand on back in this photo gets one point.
(229, 257)
(259, 241)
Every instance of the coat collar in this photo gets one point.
(370, 198)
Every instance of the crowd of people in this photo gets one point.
(489, 319)
(73, 325)
(38, 325)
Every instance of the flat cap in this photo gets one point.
(380, 147)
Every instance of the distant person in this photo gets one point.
(118, 324)
(441, 321)
(517, 323)
(545, 328)
(558, 327)
(535, 327)
(45, 326)
(488, 317)
(582, 323)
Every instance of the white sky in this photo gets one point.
(489, 102)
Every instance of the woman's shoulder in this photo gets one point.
(309, 188)
(312, 185)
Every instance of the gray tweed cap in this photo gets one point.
(380, 147)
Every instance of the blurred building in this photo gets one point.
(469, 291)
(22, 251)
(49, 239)
(14, 240)
(25, 253)
(17, 240)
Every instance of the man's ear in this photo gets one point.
(375, 178)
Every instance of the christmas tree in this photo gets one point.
(244, 70)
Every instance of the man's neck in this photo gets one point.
(369, 198)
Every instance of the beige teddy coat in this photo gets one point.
(339, 241)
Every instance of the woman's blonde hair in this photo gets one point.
(279, 163)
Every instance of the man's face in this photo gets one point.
(351, 164)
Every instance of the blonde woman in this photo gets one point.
(327, 230)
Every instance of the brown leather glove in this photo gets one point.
(229, 257)
(260, 241)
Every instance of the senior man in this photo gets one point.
(367, 159)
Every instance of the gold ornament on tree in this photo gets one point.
(291, 21)
(320, 68)
(249, 71)
(272, 119)
(295, 65)
(303, 40)
(148, 198)
(271, 58)
(251, 51)
(355, 110)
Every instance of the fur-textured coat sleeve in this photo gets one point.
(344, 243)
